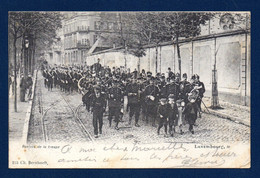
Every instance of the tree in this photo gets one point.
(139, 52)
(183, 24)
(37, 25)
(16, 33)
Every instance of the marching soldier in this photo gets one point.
(86, 99)
(50, 81)
(115, 101)
(172, 88)
(98, 103)
(133, 93)
(185, 88)
(170, 73)
(151, 94)
(199, 86)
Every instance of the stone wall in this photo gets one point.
(231, 52)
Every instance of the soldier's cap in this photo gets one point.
(171, 78)
(149, 73)
(171, 96)
(163, 74)
(163, 100)
(158, 74)
(197, 76)
(96, 87)
(98, 79)
(162, 77)
(115, 81)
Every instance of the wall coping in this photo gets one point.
(198, 38)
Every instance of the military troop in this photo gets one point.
(166, 100)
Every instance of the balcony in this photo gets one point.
(83, 46)
(83, 28)
(56, 48)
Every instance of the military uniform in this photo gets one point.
(115, 101)
(172, 89)
(185, 88)
(98, 105)
(151, 94)
(133, 93)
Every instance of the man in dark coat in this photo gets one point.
(29, 83)
(115, 101)
(185, 88)
(98, 108)
(22, 89)
(200, 86)
(133, 93)
(172, 88)
(151, 94)
(190, 112)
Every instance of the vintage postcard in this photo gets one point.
(129, 89)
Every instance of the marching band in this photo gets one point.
(167, 100)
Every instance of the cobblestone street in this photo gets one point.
(59, 124)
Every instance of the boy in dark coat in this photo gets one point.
(163, 115)
(190, 112)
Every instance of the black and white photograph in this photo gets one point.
(129, 89)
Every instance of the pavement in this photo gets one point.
(18, 121)
(237, 113)
(60, 125)
(209, 126)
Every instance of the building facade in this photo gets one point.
(221, 43)
(82, 34)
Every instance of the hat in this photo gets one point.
(171, 96)
(96, 87)
(163, 100)
(197, 76)
(149, 73)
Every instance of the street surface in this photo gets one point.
(65, 115)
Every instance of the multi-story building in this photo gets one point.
(82, 33)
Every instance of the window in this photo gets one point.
(97, 25)
(95, 38)
(105, 25)
(110, 26)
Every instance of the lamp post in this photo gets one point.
(26, 54)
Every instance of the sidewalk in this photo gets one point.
(19, 121)
(236, 113)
